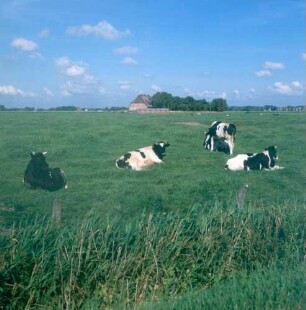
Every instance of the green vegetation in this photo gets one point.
(175, 103)
(170, 237)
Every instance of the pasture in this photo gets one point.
(190, 180)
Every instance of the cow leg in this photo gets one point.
(231, 146)
(207, 146)
(212, 144)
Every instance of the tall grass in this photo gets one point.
(113, 264)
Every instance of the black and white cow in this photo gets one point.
(220, 130)
(219, 145)
(39, 175)
(265, 160)
(144, 157)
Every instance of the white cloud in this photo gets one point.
(79, 79)
(13, 91)
(129, 61)
(103, 29)
(124, 85)
(282, 88)
(75, 70)
(72, 68)
(223, 95)
(24, 44)
(303, 56)
(236, 92)
(273, 65)
(156, 88)
(269, 66)
(62, 61)
(48, 92)
(125, 50)
(263, 73)
(296, 84)
(293, 88)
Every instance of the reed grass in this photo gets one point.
(151, 258)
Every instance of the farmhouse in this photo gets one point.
(141, 102)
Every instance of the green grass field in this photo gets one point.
(127, 238)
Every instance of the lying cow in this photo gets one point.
(221, 130)
(144, 157)
(218, 144)
(265, 160)
(39, 175)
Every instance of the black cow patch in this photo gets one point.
(121, 163)
(160, 149)
(231, 130)
(143, 155)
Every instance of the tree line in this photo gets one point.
(175, 103)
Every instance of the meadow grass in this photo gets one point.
(125, 237)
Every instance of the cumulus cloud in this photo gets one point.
(263, 73)
(125, 50)
(273, 65)
(11, 90)
(79, 79)
(293, 88)
(24, 44)
(267, 67)
(75, 70)
(303, 56)
(71, 68)
(129, 61)
(103, 29)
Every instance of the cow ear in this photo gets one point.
(275, 146)
(32, 154)
(44, 153)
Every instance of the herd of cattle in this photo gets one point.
(219, 137)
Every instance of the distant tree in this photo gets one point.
(2, 107)
(219, 105)
(162, 100)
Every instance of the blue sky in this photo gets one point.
(103, 53)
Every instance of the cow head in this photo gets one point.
(272, 151)
(159, 148)
(39, 160)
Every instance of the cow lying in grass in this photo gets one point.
(265, 160)
(144, 157)
(39, 175)
(220, 130)
(217, 144)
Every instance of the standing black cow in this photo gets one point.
(220, 130)
(39, 175)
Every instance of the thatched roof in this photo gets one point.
(145, 99)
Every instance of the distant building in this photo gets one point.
(141, 102)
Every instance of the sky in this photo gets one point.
(103, 53)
